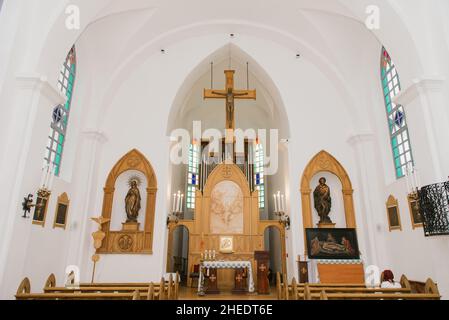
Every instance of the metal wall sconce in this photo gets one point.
(177, 209)
(279, 210)
(44, 192)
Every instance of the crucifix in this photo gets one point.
(230, 94)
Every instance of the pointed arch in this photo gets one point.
(142, 241)
(325, 162)
(133, 160)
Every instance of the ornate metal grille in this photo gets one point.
(434, 207)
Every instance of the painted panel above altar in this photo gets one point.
(226, 209)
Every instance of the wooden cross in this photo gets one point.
(230, 94)
(238, 277)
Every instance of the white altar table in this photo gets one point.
(226, 265)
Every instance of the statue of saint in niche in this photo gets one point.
(323, 201)
(132, 201)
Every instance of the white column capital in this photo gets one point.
(423, 85)
(41, 84)
(95, 135)
(361, 137)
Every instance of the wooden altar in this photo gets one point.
(226, 208)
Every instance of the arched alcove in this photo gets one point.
(273, 244)
(178, 252)
(325, 162)
(138, 242)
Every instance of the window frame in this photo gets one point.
(399, 135)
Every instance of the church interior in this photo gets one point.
(242, 150)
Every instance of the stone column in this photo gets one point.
(87, 193)
(369, 190)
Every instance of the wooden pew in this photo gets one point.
(286, 292)
(353, 291)
(162, 291)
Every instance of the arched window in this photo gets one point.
(60, 115)
(397, 121)
(259, 178)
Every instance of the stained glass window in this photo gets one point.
(397, 121)
(193, 174)
(259, 177)
(60, 114)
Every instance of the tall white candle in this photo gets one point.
(179, 201)
(43, 175)
(415, 179)
(407, 178)
(174, 202)
(418, 180)
(52, 177)
(182, 202)
(279, 201)
(47, 177)
(282, 203)
(275, 203)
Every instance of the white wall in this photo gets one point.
(124, 98)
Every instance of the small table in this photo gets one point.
(225, 265)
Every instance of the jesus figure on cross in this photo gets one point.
(230, 94)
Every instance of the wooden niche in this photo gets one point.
(325, 162)
(129, 241)
(62, 208)
(393, 215)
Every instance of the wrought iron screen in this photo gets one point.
(434, 207)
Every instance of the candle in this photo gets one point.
(279, 201)
(41, 184)
(179, 201)
(407, 178)
(174, 202)
(182, 198)
(418, 180)
(282, 203)
(415, 180)
(275, 203)
(47, 177)
(52, 177)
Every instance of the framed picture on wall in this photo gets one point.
(62, 208)
(415, 215)
(393, 215)
(40, 211)
(332, 244)
(226, 244)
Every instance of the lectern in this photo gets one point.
(262, 259)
